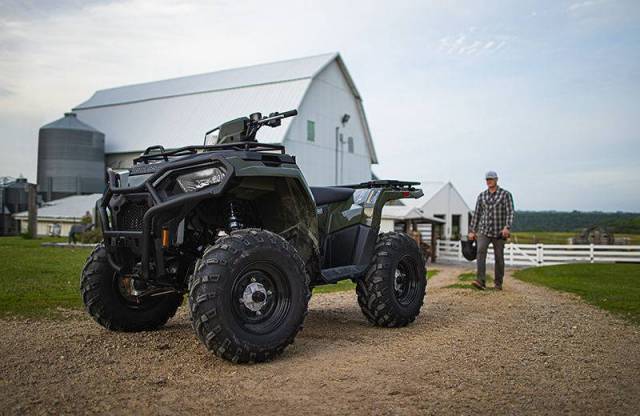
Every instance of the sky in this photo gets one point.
(546, 93)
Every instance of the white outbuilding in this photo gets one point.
(441, 210)
(60, 215)
(330, 137)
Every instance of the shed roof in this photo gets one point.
(9, 182)
(71, 207)
(404, 212)
(431, 189)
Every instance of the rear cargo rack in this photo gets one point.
(401, 185)
(158, 153)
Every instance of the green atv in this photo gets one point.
(234, 225)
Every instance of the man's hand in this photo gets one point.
(472, 236)
(505, 232)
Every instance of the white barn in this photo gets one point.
(441, 201)
(330, 137)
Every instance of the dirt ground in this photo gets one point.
(526, 350)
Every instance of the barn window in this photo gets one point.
(350, 144)
(311, 131)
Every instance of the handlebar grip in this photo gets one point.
(290, 113)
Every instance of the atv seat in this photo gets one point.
(329, 194)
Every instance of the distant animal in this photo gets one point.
(78, 229)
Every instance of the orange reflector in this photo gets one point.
(165, 237)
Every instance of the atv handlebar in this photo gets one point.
(274, 118)
(290, 113)
(244, 129)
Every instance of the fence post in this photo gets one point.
(459, 251)
(592, 257)
(32, 206)
(540, 253)
(510, 254)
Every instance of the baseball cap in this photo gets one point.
(491, 175)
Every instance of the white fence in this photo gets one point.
(547, 254)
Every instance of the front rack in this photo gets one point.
(156, 153)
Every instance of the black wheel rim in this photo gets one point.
(406, 281)
(261, 298)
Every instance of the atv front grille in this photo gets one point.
(130, 215)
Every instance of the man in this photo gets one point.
(491, 224)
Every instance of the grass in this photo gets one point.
(345, 285)
(548, 237)
(465, 279)
(36, 280)
(613, 287)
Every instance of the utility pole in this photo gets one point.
(336, 164)
(339, 140)
(33, 210)
(342, 158)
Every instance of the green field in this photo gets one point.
(549, 237)
(614, 287)
(35, 280)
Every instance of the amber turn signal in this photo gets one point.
(165, 237)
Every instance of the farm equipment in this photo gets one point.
(594, 234)
(233, 224)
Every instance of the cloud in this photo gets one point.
(471, 43)
(483, 85)
(582, 5)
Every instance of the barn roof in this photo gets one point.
(245, 77)
(205, 100)
(72, 207)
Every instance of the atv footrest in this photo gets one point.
(335, 274)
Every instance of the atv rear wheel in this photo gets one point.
(392, 291)
(249, 296)
(106, 300)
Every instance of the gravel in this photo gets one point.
(525, 350)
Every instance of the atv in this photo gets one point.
(234, 225)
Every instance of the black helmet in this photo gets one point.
(469, 249)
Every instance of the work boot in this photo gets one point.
(478, 284)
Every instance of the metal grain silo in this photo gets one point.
(70, 158)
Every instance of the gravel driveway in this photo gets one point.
(526, 350)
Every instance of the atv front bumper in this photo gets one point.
(132, 217)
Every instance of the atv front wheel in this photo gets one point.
(392, 291)
(106, 300)
(249, 296)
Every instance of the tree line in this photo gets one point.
(619, 222)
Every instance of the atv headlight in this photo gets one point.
(195, 181)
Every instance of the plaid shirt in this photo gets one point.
(494, 211)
